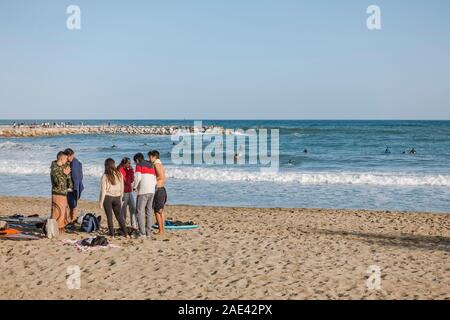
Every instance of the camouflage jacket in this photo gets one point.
(60, 181)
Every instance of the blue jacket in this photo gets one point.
(77, 177)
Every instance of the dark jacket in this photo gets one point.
(77, 177)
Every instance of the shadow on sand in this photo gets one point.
(406, 241)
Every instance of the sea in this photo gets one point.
(345, 164)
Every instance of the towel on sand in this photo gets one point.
(80, 247)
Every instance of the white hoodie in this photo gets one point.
(144, 178)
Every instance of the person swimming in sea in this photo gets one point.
(387, 151)
(305, 151)
(291, 162)
(413, 151)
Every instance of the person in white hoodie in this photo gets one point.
(144, 184)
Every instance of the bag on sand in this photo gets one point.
(95, 241)
(90, 223)
(80, 217)
(3, 225)
(51, 228)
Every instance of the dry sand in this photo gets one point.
(241, 253)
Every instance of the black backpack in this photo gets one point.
(90, 223)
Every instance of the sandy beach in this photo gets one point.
(240, 253)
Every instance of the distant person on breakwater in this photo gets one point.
(76, 174)
(128, 200)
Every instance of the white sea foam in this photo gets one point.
(23, 168)
(239, 174)
(315, 178)
(39, 168)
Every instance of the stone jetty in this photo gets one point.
(39, 131)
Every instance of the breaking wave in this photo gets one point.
(313, 178)
(217, 174)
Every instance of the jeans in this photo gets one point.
(144, 213)
(128, 201)
(113, 204)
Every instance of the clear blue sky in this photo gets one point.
(204, 59)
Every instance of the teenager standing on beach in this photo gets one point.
(77, 182)
(128, 199)
(160, 198)
(61, 182)
(144, 183)
(111, 192)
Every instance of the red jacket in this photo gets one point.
(128, 178)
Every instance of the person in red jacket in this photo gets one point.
(128, 200)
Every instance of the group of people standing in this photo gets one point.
(148, 181)
(116, 192)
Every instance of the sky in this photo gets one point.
(234, 59)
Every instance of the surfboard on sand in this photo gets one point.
(18, 236)
(25, 220)
(170, 225)
(14, 234)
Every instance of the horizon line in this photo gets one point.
(219, 119)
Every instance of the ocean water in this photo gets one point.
(345, 166)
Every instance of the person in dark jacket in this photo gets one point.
(74, 194)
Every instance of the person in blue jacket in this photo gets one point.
(77, 179)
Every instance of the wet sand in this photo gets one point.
(240, 253)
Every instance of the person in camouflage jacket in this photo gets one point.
(61, 183)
